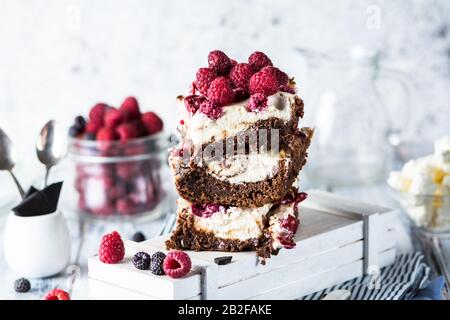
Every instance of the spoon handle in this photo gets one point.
(22, 193)
(47, 172)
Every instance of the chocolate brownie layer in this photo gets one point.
(194, 184)
(186, 237)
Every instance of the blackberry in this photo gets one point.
(73, 131)
(138, 237)
(157, 263)
(141, 260)
(80, 122)
(22, 285)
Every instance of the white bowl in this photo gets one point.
(38, 246)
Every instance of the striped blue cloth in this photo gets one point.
(399, 281)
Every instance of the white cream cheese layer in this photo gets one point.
(236, 118)
(245, 168)
(235, 223)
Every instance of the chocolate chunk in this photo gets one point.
(223, 260)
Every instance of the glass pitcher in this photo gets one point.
(354, 130)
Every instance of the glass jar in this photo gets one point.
(120, 179)
(354, 130)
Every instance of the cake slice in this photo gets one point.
(240, 153)
(244, 180)
(213, 227)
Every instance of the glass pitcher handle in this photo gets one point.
(406, 83)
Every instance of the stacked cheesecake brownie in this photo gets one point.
(240, 153)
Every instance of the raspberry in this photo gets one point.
(233, 63)
(128, 170)
(286, 239)
(294, 197)
(282, 77)
(206, 210)
(257, 102)
(112, 249)
(141, 260)
(139, 125)
(93, 126)
(105, 210)
(118, 191)
(126, 206)
(127, 131)
(57, 294)
(288, 228)
(240, 94)
(98, 112)
(106, 134)
(220, 91)
(156, 266)
(211, 109)
(203, 79)
(113, 118)
(192, 88)
(152, 122)
(130, 108)
(258, 60)
(240, 75)
(178, 152)
(289, 223)
(219, 62)
(263, 82)
(288, 88)
(22, 285)
(193, 103)
(138, 237)
(177, 264)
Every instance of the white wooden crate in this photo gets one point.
(339, 239)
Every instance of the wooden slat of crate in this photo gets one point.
(324, 280)
(297, 271)
(99, 290)
(337, 204)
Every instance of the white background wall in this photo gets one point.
(59, 57)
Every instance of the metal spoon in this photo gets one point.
(50, 146)
(7, 158)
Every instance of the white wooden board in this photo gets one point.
(99, 290)
(338, 239)
(322, 280)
